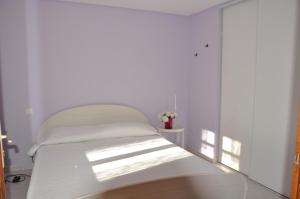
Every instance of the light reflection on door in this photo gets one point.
(231, 151)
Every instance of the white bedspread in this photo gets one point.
(71, 170)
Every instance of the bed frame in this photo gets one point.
(92, 115)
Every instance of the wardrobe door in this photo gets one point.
(238, 83)
(273, 135)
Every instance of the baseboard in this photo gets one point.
(17, 169)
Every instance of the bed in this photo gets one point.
(86, 151)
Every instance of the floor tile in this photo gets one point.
(18, 190)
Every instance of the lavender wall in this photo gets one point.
(69, 54)
(14, 80)
(34, 64)
(95, 54)
(204, 77)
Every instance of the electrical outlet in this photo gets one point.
(28, 111)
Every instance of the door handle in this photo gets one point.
(9, 141)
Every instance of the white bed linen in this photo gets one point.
(71, 170)
(68, 134)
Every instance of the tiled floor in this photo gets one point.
(18, 190)
(254, 191)
(257, 191)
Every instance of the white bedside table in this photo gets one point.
(177, 130)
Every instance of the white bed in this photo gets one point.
(90, 149)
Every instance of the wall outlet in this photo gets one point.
(28, 111)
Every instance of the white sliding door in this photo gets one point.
(273, 137)
(238, 83)
(258, 90)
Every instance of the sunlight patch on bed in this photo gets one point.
(110, 152)
(107, 171)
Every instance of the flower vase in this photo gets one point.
(169, 124)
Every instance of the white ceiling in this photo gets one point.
(180, 7)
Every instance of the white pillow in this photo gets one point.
(61, 135)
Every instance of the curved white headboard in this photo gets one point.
(92, 115)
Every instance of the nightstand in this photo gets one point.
(177, 130)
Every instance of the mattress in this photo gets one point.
(75, 169)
